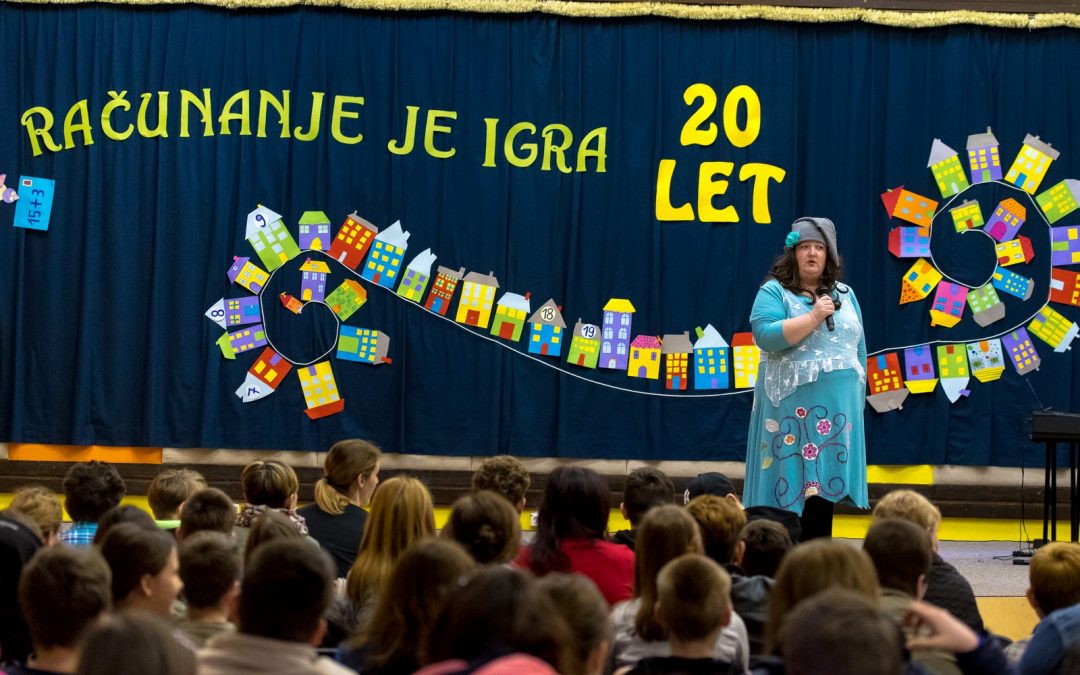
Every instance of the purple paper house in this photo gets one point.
(1021, 351)
(909, 242)
(919, 369)
(313, 283)
(241, 311)
(1008, 217)
(1065, 245)
(983, 158)
(615, 339)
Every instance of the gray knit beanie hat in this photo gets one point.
(815, 229)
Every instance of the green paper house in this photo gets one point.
(967, 216)
(1060, 200)
(948, 173)
(270, 238)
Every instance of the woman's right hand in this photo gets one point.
(823, 308)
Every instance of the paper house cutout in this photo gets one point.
(918, 281)
(320, 389)
(290, 303)
(1060, 200)
(909, 242)
(510, 313)
(948, 173)
(272, 241)
(967, 216)
(584, 345)
(547, 330)
(986, 360)
(711, 358)
(1014, 251)
(314, 231)
(919, 370)
(313, 280)
(383, 263)
(7, 195)
(886, 382)
(1021, 351)
(247, 338)
(415, 278)
(948, 306)
(615, 339)
(953, 370)
(1007, 219)
(363, 345)
(264, 376)
(225, 345)
(745, 357)
(1053, 329)
(676, 349)
(1065, 287)
(1029, 167)
(234, 312)
(247, 274)
(1012, 283)
(346, 299)
(983, 158)
(353, 241)
(477, 297)
(986, 306)
(906, 205)
(644, 358)
(442, 290)
(1065, 245)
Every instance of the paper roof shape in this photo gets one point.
(976, 141)
(646, 342)
(314, 218)
(515, 301)
(620, 305)
(482, 279)
(258, 219)
(1034, 143)
(1014, 207)
(449, 273)
(743, 340)
(315, 266)
(548, 313)
(586, 331)
(422, 262)
(939, 152)
(709, 338)
(238, 264)
(394, 236)
(676, 343)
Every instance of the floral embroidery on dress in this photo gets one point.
(772, 426)
(766, 462)
(803, 436)
(800, 412)
(810, 451)
(789, 440)
(811, 489)
(824, 427)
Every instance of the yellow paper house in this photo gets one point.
(320, 390)
(745, 357)
(644, 357)
(477, 299)
(1053, 328)
(1031, 163)
(967, 216)
(918, 281)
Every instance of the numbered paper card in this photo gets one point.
(34, 207)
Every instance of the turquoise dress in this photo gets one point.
(806, 427)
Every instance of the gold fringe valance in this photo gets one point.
(673, 10)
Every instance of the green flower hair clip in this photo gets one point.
(791, 240)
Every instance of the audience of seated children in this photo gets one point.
(570, 534)
(207, 510)
(693, 606)
(505, 475)
(269, 485)
(210, 570)
(134, 642)
(579, 603)
(285, 590)
(646, 487)
(168, 490)
(1054, 594)
(946, 587)
(122, 513)
(20, 539)
(90, 489)
(486, 525)
(715, 483)
(63, 592)
(335, 520)
(421, 581)
(764, 545)
(270, 526)
(666, 533)
(43, 507)
(145, 568)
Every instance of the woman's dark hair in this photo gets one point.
(785, 269)
(122, 513)
(133, 551)
(575, 505)
(131, 642)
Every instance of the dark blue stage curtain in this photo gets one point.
(102, 333)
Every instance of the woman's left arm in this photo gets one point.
(858, 313)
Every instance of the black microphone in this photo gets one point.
(829, 323)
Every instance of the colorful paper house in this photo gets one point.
(384, 259)
(313, 280)
(270, 238)
(1060, 200)
(967, 216)
(745, 357)
(986, 360)
(918, 281)
(1014, 251)
(346, 299)
(1053, 329)
(711, 358)
(415, 278)
(1012, 283)
(953, 370)
(290, 303)
(1065, 245)
(247, 274)
(363, 345)
(477, 297)
(353, 241)
(510, 313)
(314, 231)
(909, 242)
(1029, 167)
(615, 340)
(983, 158)
(264, 376)
(1008, 217)
(547, 330)
(1065, 287)
(884, 377)
(320, 390)
(644, 357)
(233, 312)
(442, 291)
(948, 173)
(948, 307)
(584, 345)
(676, 349)
(1021, 351)
(919, 369)
(986, 306)
(906, 205)
(243, 340)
